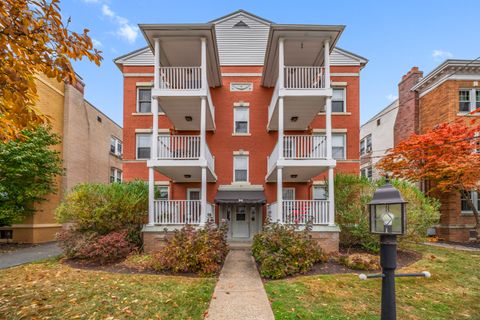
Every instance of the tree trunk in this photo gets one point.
(474, 210)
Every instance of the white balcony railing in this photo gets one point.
(183, 147)
(304, 77)
(180, 78)
(300, 147)
(178, 212)
(305, 147)
(175, 147)
(300, 212)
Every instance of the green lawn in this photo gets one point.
(51, 290)
(453, 291)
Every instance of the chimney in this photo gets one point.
(407, 121)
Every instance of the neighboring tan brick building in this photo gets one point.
(449, 92)
(87, 135)
(219, 96)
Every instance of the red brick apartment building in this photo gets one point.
(249, 119)
(449, 92)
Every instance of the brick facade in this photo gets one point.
(407, 119)
(419, 111)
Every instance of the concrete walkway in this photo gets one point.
(452, 246)
(239, 293)
(31, 254)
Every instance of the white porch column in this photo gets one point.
(279, 194)
(331, 198)
(151, 197)
(203, 146)
(156, 85)
(204, 63)
(327, 63)
(281, 63)
(203, 197)
(328, 126)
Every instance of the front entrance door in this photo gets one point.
(240, 223)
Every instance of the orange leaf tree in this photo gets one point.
(446, 156)
(34, 40)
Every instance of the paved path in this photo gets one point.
(452, 246)
(239, 293)
(26, 255)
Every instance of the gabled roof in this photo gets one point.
(361, 60)
(445, 70)
(241, 11)
(392, 106)
(124, 58)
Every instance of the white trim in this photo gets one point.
(336, 113)
(241, 187)
(235, 134)
(241, 104)
(140, 130)
(249, 86)
(160, 113)
(144, 84)
(339, 84)
(334, 130)
(162, 183)
(35, 225)
(318, 182)
(137, 74)
(241, 74)
(472, 77)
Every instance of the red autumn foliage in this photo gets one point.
(447, 156)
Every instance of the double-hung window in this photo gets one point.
(338, 100)
(161, 192)
(144, 100)
(338, 146)
(288, 193)
(319, 193)
(115, 175)
(367, 172)
(116, 146)
(474, 196)
(241, 117)
(468, 99)
(144, 143)
(240, 168)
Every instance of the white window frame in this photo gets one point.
(247, 108)
(116, 142)
(288, 189)
(474, 197)
(248, 168)
(472, 99)
(117, 175)
(137, 110)
(189, 190)
(324, 187)
(344, 135)
(136, 145)
(162, 186)
(344, 99)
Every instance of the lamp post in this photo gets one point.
(388, 219)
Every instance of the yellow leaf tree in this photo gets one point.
(34, 40)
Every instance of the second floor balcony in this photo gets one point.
(180, 158)
(303, 157)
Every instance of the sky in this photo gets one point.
(393, 35)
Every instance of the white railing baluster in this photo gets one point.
(180, 78)
(177, 212)
(301, 211)
(301, 147)
(308, 77)
(182, 147)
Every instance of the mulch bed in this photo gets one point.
(120, 268)
(404, 259)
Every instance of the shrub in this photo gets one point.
(103, 208)
(281, 251)
(360, 261)
(95, 248)
(353, 193)
(200, 251)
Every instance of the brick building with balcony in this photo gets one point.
(240, 119)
